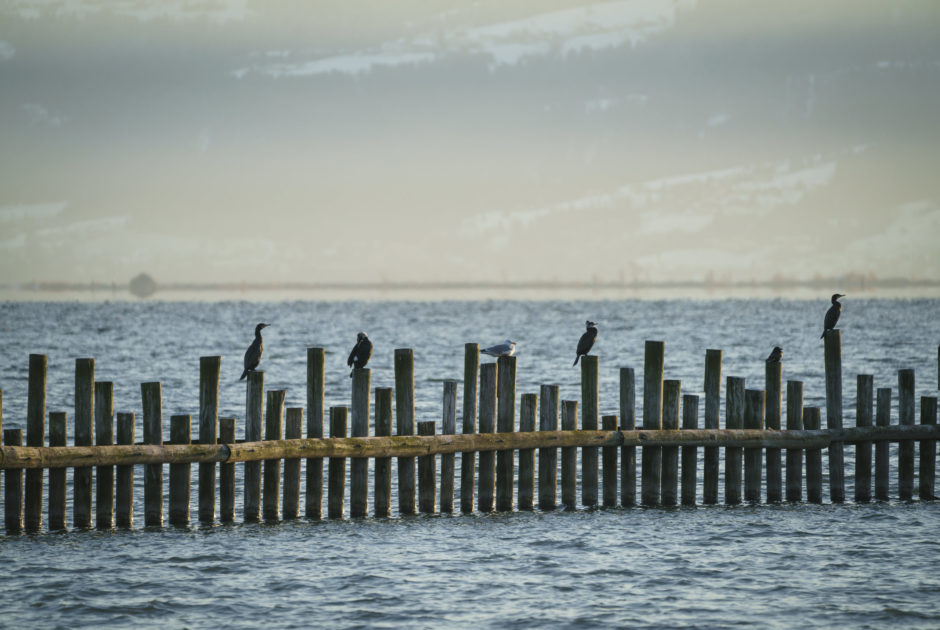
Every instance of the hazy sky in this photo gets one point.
(457, 140)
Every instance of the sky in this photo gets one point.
(418, 141)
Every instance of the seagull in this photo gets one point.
(505, 349)
(253, 353)
(361, 353)
(775, 355)
(587, 340)
(832, 315)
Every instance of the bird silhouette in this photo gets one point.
(360, 354)
(775, 355)
(587, 340)
(253, 353)
(505, 349)
(832, 315)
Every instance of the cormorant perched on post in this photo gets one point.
(505, 349)
(775, 355)
(361, 353)
(587, 340)
(832, 315)
(253, 353)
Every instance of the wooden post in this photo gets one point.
(689, 453)
(627, 423)
(313, 496)
(569, 456)
(774, 385)
(227, 473)
(672, 391)
(794, 455)
(548, 457)
(906, 447)
(1, 412)
(448, 427)
(882, 461)
(753, 419)
(180, 433)
(151, 395)
(35, 436)
(928, 450)
(405, 425)
(254, 413)
(487, 477)
(609, 465)
(811, 420)
(471, 368)
(427, 473)
(505, 423)
(13, 487)
(528, 407)
(84, 420)
(833, 354)
(863, 418)
(124, 482)
(209, 374)
(359, 466)
(383, 465)
(104, 436)
(273, 428)
(337, 466)
(290, 508)
(589, 405)
(57, 437)
(712, 415)
(734, 419)
(652, 419)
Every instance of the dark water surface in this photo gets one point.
(780, 566)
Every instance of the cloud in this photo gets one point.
(40, 115)
(6, 50)
(37, 211)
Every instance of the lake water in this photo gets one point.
(849, 565)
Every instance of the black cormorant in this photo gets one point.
(253, 353)
(505, 349)
(775, 355)
(361, 353)
(832, 315)
(587, 340)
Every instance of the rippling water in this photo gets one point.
(772, 566)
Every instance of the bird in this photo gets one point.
(832, 315)
(253, 353)
(775, 355)
(360, 354)
(505, 349)
(587, 340)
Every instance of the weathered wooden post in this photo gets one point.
(906, 447)
(180, 433)
(405, 425)
(383, 465)
(863, 418)
(35, 436)
(774, 385)
(627, 423)
(124, 480)
(589, 405)
(427, 474)
(227, 473)
(652, 419)
(672, 392)
(273, 425)
(882, 454)
(548, 457)
(209, 374)
(833, 356)
(734, 419)
(1, 412)
(471, 368)
(337, 466)
(487, 477)
(753, 419)
(359, 466)
(928, 450)
(13, 487)
(712, 415)
(505, 423)
(569, 456)
(293, 430)
(84, 419)
(313, 496)
(609, 465)
(528, 407)
(448, 427)
(57, 437)
(811, 421)
(689, 453)
(104, 436)
(151, 395)
(794, 455)
(254, 414)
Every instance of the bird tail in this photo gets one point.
(822, 335)
(244, 374)
(351, 371)
(576, 360)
